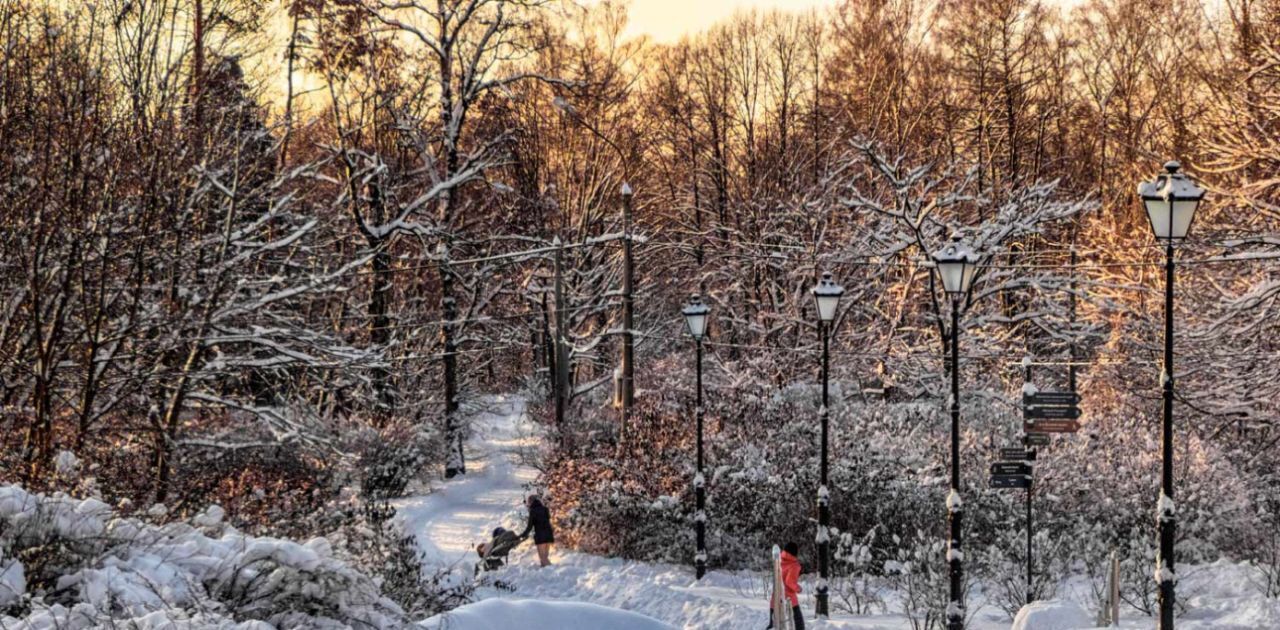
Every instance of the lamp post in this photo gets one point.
(1171, 200)
(695, 317)
(826, 296)
(956, 265)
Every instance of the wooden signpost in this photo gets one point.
(1015, 473)
(1043, 413)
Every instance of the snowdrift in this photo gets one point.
(505, 614)
(73, 564)
(1052, 615)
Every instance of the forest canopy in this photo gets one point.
(270, 254)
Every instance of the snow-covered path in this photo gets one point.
(449, 522)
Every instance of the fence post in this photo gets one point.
(779, 611)
(1109, 616)
(1114, 591)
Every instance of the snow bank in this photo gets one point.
(668, 593)
(1052, 615)
(1225, 595)
(505, 614)
(13, 583)
(202, 574)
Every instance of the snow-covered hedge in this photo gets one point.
(761, 481)
(71, 563)
(1095, 492)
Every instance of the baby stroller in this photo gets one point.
(494, 554)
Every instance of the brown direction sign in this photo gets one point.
(1051, 426)
(1050, 413)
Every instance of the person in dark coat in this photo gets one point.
(540, 525)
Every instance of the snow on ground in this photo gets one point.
(1052, 615)
(498, 614)
(670, 593)
(114, 571)
(461, 513)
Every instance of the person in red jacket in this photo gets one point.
(791, 582)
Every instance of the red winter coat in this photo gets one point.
(791, 577)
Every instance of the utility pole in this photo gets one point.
(627, 386)
(561, 356)
(547, 343)
(455, 459)
(628, 321)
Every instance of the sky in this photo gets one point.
(666, 20)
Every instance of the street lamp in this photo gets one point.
(826, 296)
(695, 317)
(1171, 200)
(956, 265)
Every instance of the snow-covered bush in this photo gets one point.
(1267, 559)
(919, 579)
(1094, 491)
(637, 508)
(856, 587)
(360, 531)
(1002, 570)
(761, 480)
(71, 563)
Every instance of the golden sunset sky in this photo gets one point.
(666, 20)
(662, 21)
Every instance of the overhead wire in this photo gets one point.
(812, 257)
